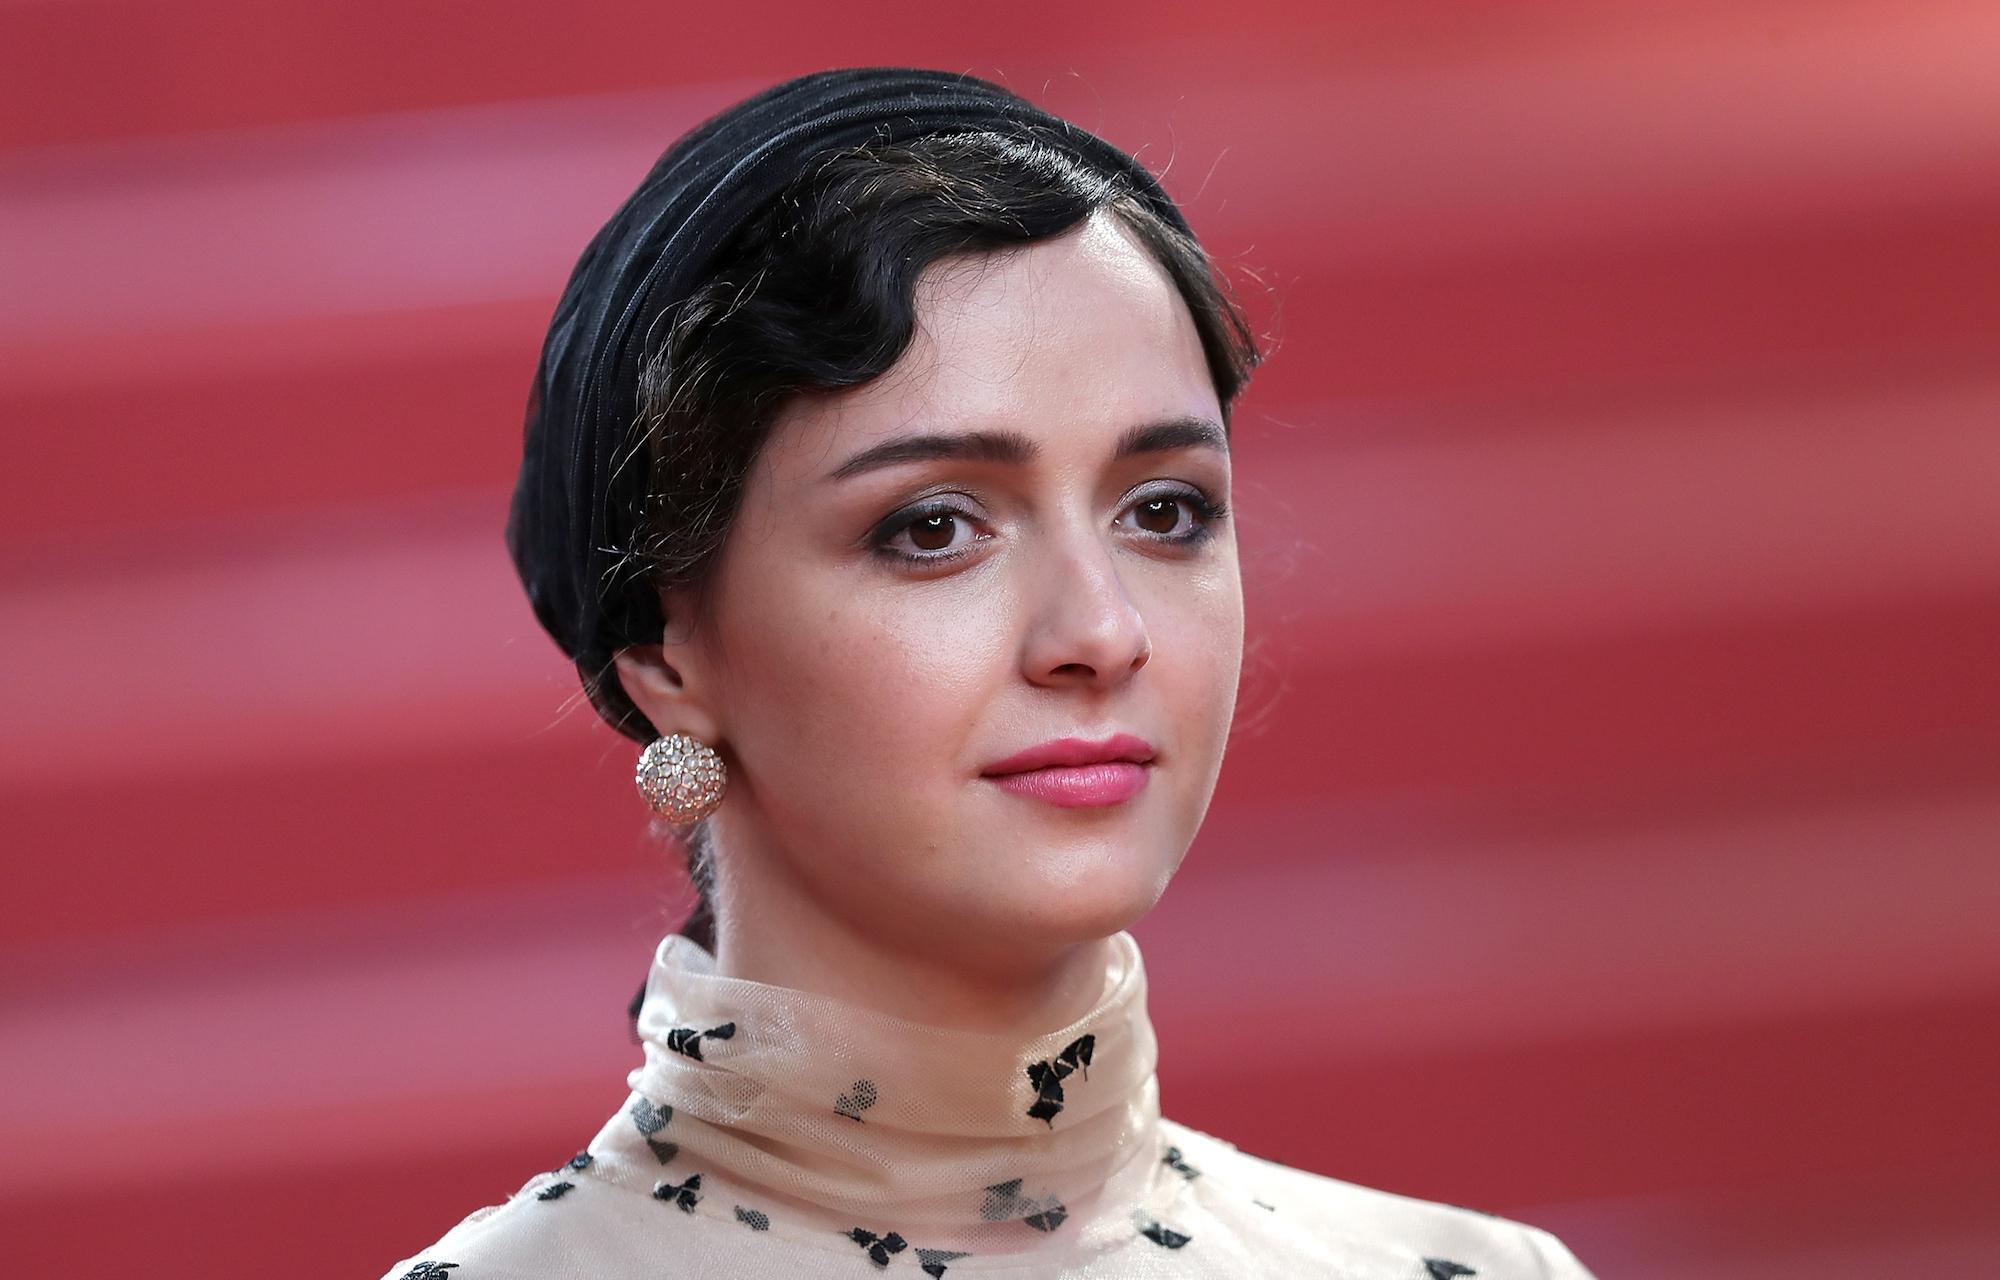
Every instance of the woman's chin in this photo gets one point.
(1057, 910)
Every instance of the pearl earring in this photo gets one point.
(681, 777)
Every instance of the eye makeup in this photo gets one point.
(1207, 514)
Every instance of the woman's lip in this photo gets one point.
(1075, 786)
(1069, 752)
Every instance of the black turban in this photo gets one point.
(577, 499)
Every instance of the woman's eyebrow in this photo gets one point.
(1015, 449)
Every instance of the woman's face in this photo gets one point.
(879, 636)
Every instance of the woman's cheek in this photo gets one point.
(904, 716)
(852, 687)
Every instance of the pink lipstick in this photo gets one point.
(1073, 772)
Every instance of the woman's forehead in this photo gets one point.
(1080, 333)
(979, 315)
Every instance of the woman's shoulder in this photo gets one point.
(1272, 1218)
(1351, 1220)
(542, 1230)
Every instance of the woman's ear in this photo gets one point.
(669, 681)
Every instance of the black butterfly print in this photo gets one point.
(1261, 1205)
(429, 1271)
(879, 1247)
(687, 1041)
(1445, 1269)
(933, 1260)
(1004, 1200)
(860, 1096)
(649, 1118)
(1178, 1163)
(1049, 1217)
(1153, 1229)
(682, 1195)
(1048, 1076)
(1001, 1198)
(575, 1164)
(753, 1218)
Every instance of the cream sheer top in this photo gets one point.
(773, 1132)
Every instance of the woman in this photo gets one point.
(877, 479)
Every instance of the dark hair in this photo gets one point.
(818, 292)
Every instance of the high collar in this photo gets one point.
(826, 1116)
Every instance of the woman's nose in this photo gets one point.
(1085, 628)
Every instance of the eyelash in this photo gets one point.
(1207, 510)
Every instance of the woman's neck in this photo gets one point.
(768, 930)
(821, 1116)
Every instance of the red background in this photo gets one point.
(1611, 835)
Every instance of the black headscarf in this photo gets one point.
(578, 496)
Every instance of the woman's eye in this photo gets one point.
(935, 535)
(929, 534)
(1161, 515)
(935, 532)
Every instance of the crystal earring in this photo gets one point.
(682, 777)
